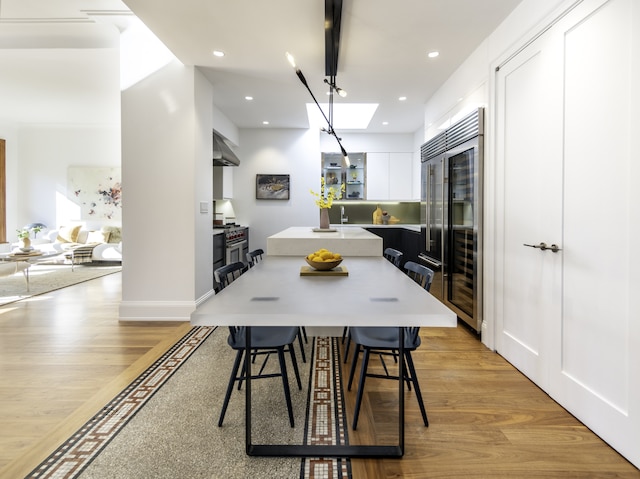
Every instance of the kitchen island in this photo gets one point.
(346, 240)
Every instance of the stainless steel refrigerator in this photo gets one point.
(452, 216)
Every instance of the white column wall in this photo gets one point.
(158, 175)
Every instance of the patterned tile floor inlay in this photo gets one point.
(326, 417)
(325, 423)
(80, 449)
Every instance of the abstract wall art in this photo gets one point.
(98, 192)
(272, 187)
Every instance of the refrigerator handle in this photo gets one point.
(427, 206)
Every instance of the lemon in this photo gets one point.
(323, 255)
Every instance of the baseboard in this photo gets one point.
(156, 310)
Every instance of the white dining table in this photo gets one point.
(373, 293)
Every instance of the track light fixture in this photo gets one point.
(335, 88)
(332, 88)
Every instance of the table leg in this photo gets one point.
(26, 277)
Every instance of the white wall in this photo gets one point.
(273, 151)
(158, 176)
(468, 87)
(203, 186)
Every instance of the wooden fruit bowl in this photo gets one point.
(323, 265)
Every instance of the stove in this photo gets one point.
(233, 233)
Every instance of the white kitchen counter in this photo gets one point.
(346, 240)
(405, 226)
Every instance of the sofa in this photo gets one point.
(79, 244)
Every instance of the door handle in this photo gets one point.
(544, 246)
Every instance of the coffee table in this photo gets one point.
(32, 257)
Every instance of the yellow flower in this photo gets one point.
(331, 194)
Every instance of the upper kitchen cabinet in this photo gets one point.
(390, 176)
(222, 183)
(353, 176)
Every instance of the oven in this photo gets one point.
(236, 244)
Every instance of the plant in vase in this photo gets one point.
(324, 200)
(24, 239)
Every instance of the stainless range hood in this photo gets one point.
(222, 154)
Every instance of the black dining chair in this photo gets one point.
(265, 340)
(254, 256)
(420, 274)
(385, 341)
(224, 275)
(393, 255)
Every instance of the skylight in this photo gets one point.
(346, 116)
(141, 54)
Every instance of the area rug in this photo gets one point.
(47, 277)
(164, 425)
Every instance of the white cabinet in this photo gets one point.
(378, 176)
(390, 176)
(400, 176)
(222, 182)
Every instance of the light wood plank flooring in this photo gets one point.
(65, 354)
(486, 420)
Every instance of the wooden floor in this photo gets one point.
(64, 355)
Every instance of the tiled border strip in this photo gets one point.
(325, 423)
(77, 452)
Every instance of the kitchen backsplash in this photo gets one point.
(361, 212)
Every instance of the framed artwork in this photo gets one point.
(97, 191)
(272, 187)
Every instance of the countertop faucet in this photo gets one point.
(343, 218)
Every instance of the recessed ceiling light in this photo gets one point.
(248, 98)
(385, 123)
(402, 98)
(218, 53)
(433, 54)
(265, 122)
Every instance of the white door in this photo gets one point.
(568, 170)
(529, 114)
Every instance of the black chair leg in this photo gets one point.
(303, 355)
(285, 384)
(232, 380)
(346, 348)
(363, 376)
(416, 386)
(294, 361)
(353, 366)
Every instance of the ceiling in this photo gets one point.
(382, 55)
